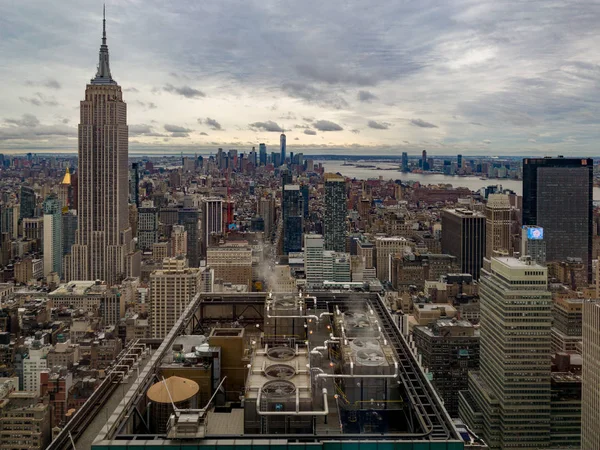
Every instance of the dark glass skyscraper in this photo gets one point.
(27, 202)
(189, 217)
(262, 154)
(134, 184)
(292, 218)
(557, 196)
(463, 236)
(282, 142)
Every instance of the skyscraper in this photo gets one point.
(134, 184)
(212, 218)
(292, 218)
(66, 192)
(189, 218)
(557, 196)
(53, 247)
(459, 162)
(590, 395)
(424, 164)
(282, 142)
(147, 225)
(533, 244)
(509, 400)
(497, 225)
(262, 156)
(463, 236)
(334, 224)
(27, 202)
(404, 161)
(103, 232)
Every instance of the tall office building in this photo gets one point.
(212, 218)
(282, 144)
(404, 161)
(497, 225)
(262, 154)
(292, 219)
(557, 196)
(171, 289)
(147, 226)
(385, 247)
(27, 202)
(459, 162)
(267, 212)
(590, 395)
(53, 247)
(305, 193)
(463, 236)
(424, 163)
(509, 400)
(314, 246)
(231, 263)
(190, 219)
(533, 243)
(103, 233)
(134, 184)
(65, 192)
(336, 210)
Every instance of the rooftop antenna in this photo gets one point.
(104, 24)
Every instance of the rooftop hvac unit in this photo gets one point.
(364, 344)
(279, 389)
(370, 357)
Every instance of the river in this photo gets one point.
(473, 183)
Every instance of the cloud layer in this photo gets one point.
(451, 77)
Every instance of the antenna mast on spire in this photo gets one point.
(104, 24)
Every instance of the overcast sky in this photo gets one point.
(381, 77)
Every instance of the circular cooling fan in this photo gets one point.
(370, 357)
(281, 353)
(279, 389)
(280, 372)
(356, 320)
(364, 344)
(285, 303)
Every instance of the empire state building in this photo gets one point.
(103, 235)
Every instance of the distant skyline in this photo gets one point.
(470, 77)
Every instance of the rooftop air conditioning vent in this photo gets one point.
(279, 389)
(286, 303)
(281, 354)
(280, 372)
(370, 357)
(364, 344)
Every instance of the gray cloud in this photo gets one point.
(131, 89)
(330, 74)
(366, 96)
(27, 120)
(180, 134)
(212, 123)
(310, 132)
(378, 125)
(185, 91)
(39, 99)
(269, 125)
(203, 134)
(326, 125)
(313, 95)
(176, 129)
(421, 123)
(49, 83)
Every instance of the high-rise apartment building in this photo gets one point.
(497, 225)
(103, 232)
(533, 243)
(292, 218)
(557, 196)
(147, 226)
(282, 145)
(449, 348)
(33, 365)
(212, 218)
(27, 202)
(463, 236)
(53, 235)
(336, 210)
(69, 229)
(179, 241)
(508, 403)
(171, 290)
(314, 245)
(590, 394)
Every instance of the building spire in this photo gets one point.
(103, 75)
